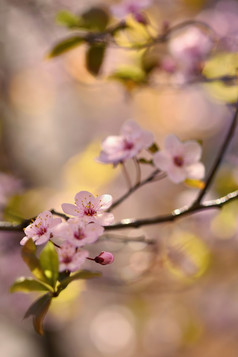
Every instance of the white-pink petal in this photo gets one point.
(192, 152)
(70, 209)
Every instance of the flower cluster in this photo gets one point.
(116, 149)
(177, 159)
(186, 54)
(72, 235)
(133, 8)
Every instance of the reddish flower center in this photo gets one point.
(79, 234)
(128, 145)
(41, 231)
(67, 259)
(89, 210)
(178, 161)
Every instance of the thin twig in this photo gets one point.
(133, 189)
(219, 158)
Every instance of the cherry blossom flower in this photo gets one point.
(132, 140)
(104, 258)
(70, 258)
(187, 52)
(133, 7)
(180, 160)
(77, 231)
(90, 208)
(41, 229)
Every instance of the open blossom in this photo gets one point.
(70, 258)
(133, 7)
(187, 53)
(90, 208)
(132, 140)
(41, 229)
(180, 160)
(77, 231)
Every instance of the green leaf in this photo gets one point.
(153, 148)
(68, 19)
(28, 284)
(94, 58)
(28, 254)
(130, 77)
(66, 45)
(142, 160)
(50, 263)
(82, 274)
(96, 18)
(38, 310)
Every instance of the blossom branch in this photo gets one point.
(174, 215)
(219, 158)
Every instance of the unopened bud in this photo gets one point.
(104, 258)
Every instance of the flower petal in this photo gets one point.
(83, 198)
(71, 209)
(173, 145)
(162, 160)
(196, 171)
(177, 174)
(103, 202)
(192, 152)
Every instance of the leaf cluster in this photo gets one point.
(47, 279)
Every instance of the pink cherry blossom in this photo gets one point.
(104, 258)
(70, 258)
(180, 160)
(41, 229)
(188, 52)
(77, 231)
(133, 7)
(90, 208)
(132, 140)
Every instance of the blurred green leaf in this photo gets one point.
(142, 160)
(65, 45)
(130, 77)
(150, 60)
(28, 284)
(38, 310)
(68, 19)
(153, 148)
(28, 254)
(96, 18)
(82, 274)
(94, 58)
(50, 263)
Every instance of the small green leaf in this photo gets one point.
(49, 263)
(28, 254)
(153, 148)
(68, 19)
(28, 284)
(65, 45)
(142, 160)
(96, 18)
(130, 77)
(94, 58)
(82, 274)
(38, 310)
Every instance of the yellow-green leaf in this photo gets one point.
(94, 58)
(65, 45)
(29, 256)
(26, 285)
(38, 310)
(49, 263)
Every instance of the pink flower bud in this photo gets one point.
(104, 258)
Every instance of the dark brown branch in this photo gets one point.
(174, 215)
(219, 158)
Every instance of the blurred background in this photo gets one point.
(176, 298)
